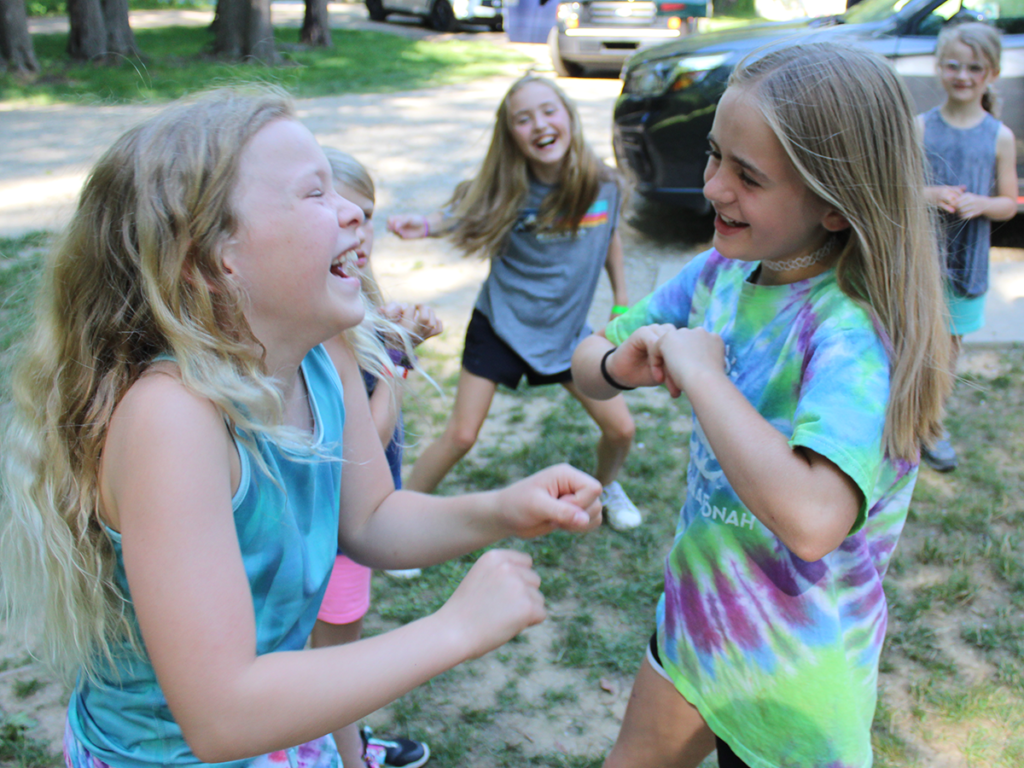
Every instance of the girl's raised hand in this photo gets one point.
(409, 226)
(420, 320)
(557, 497)
(498, 599)
(685, 353)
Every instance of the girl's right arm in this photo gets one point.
(166, 485)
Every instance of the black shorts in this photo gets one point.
(726, 757)
(488, 357)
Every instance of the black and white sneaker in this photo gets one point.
(393, 753)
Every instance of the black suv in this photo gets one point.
(669, 92)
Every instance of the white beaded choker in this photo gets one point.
(802, 262)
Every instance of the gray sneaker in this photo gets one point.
(619, 511)
(942, 456)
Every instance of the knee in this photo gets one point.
(462, 437)
(620, 431)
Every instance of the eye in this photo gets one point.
(747, 180)
(713, 153)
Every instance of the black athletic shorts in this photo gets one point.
(491, 358)
(726, 757)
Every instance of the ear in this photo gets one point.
(227, 252)
(834, 221)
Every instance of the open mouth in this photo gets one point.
(345, 264)
(730, 222)
(545, 142)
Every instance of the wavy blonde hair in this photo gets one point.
(984, 40)
(137, 273)
(846, 122)
(486, 207)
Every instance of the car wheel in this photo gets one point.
(498, 24)
(376, 10)
(442, 17)
(562, 67)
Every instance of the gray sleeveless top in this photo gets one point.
(963, 156)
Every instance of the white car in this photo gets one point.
(442, 15)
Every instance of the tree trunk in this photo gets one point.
(242, 29)
(316, 28)
(17, 55)
(228, 24)
(120, 38)
(260, 33)
(88, 37)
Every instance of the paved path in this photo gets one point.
(418, 145)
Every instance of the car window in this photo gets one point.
(868, 11)
(1007, 15)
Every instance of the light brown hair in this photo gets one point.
(486, 207)
(846, 122)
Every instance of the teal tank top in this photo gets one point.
(287, 526)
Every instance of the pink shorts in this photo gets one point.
(347, 598)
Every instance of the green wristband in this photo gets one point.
(618, 309)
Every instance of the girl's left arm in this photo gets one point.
(382, 528)
(614, 264)
(800, 495)
(1001, 206)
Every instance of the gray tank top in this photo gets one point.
(963, 156)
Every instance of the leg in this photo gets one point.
(350, 746)
(661, 729)
(617, 430)
(472, 402)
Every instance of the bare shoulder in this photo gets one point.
(1005, 141)
(160, 434)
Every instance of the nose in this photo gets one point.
(349, 214)
(715, 187)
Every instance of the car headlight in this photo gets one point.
(568, 12)
(658, 77)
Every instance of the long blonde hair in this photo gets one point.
(847, 124)
(136, 274)
(984, 41)
(486, 207)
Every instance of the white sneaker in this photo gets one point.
(405, 573)
(619, 511)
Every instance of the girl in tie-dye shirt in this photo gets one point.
(809, 341)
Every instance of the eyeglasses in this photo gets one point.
(954, 67)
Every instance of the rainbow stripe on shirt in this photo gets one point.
(596, 215)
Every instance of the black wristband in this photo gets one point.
(607, 376)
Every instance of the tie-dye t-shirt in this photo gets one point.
(781, 655)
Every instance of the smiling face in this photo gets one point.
(365, 230)
(964, 75)
(542, 129)
(764, 211)
(295, 231)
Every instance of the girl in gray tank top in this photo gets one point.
(972, 179)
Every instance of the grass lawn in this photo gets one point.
(952, 674)
(176, 61)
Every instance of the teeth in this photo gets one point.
(545, 142)
(728, 221)
(346, 261)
